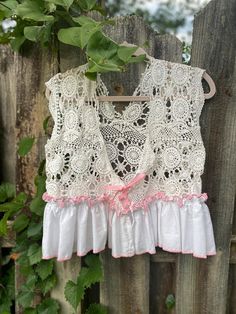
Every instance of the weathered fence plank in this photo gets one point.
(126, 286)
(140, 285)
(32, 68)
(214, 46)
(68, 270)
(8, 80)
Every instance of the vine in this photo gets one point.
(26, 215)
(68, 21)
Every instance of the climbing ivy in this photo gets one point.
(26, 213)
(44, 21)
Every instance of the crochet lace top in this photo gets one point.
(151, 151)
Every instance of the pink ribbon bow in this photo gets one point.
(124, 189)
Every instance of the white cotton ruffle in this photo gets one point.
(80, 228)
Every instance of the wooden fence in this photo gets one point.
(140, 285)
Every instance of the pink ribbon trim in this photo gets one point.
(124, 189)
(61, 201)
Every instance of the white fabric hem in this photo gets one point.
(80, 229)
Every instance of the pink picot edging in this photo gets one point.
(62, 201)
(80, 254)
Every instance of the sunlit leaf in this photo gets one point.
(125, 53)
(63, 3)
(101, 47)
(33, 10)
(77, 36)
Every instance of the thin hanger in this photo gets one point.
(211, 84)
(141, 51)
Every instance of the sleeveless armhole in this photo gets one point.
(200, 95)
(52, 95)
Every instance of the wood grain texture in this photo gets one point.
(8, 80)
(67, 57)
(127, 281)
(203, 284)
(32, 68)
(162, 284)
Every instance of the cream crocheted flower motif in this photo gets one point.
(93, 146)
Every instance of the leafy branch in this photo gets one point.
(68, 21)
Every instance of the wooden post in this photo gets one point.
(125, 289)
(202, 285)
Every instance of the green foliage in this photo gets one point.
(7, 191)
(34, 253)
(96, 309)
(21, 222)
(74, 292)
(7, 290)
(48, 306)
(10, 208)
(25, 145)
(45, 20)
(170, 301)
(33, 10)
(44, 268)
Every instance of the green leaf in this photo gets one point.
(83, 19)
(96, 309)
(44, 268)
(17, 42)
(106, 66)
(37, 206)
(47, 284)
(21, 222)
(34, 253)
(137, 59)
(25, 298)
(63, 3)
(26, 295)
(33, 33)
(40, 182)
(91, 75)
(3, 221)
(48, 306)
(7, 191)
(25, 145)
(78, 36)
(33, 10)
(34, 228)
(7, 7)
(74, 293)
(87, 5)
(20, 198)
(170, 301)
(95, 272)
(125, 53)
(103, 52)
